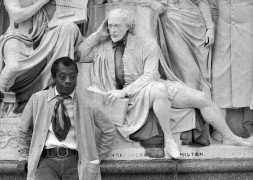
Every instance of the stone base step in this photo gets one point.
(214, 169)
(123, 150)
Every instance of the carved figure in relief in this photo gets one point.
(185, 35)
(126, 66)
(28, 49)
(189, 32)
(233, 60)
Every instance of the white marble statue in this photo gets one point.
(126, 66)
(233, 61)
(28, 49)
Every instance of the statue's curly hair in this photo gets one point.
(126, 17)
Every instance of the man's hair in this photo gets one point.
(66, 61)
(126, 17)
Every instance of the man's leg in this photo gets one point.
(161, 108)
(56, 168)
(48, 168)
(70, 168)
(188, 97)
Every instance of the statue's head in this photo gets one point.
(119, 22)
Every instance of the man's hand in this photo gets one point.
(103, 31)
(157, 7)
(22, 167)
(111, 96)
(209, 36)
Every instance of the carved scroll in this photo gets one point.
(66, 11)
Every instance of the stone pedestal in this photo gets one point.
(123, 150)
(8, 140)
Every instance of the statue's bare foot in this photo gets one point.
(171, 148)
(237, 141)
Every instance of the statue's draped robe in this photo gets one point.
(181, 35)
(33, 72)
(233, 56)
(182, 39)
(103, 77)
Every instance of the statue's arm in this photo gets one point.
(206, 13)
(25, 130)
(151, 64)
(215, 10)
(205, 9)
(107, 133)
(19, 13)
(87, 49)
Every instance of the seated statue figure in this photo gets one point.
(126, 66)
(185, 33)
(28, 48)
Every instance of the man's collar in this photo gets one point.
(55, 93)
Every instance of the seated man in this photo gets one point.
(57, 130)
(28, 49)
(127, 67)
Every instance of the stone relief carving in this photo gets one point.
(27, 50)
(25, 54)
(139, 83)
(232, 63)
(8, 133)
(152, 28)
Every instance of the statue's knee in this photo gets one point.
(158, 91)
(204, 98)
(14, 67)
(69, 27)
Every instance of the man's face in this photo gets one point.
(117, 27)
(65, 80)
